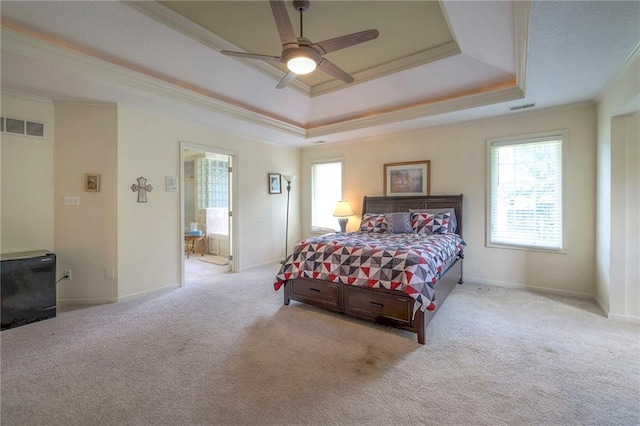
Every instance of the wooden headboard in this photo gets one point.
(403, 204)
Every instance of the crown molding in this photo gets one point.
(179, 23)
(420, 58)
(521, 34)
(629, 61)
(189, 28)
(4, 92)
(29, 46)
(425, 109)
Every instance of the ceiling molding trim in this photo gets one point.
(626, 64)
(25, 45)
(521, 11)
(35, 98)
(168, 17)
(420, 58)
(423, 110)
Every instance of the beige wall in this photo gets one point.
(27, 178)
(618, 281)
(458, 165)
(86, 235)
(149, 239)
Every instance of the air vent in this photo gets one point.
(318, 142)
(21, 127)
(516, 108)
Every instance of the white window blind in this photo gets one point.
(526, 192)
(326, 191)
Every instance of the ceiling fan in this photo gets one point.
(301, 55)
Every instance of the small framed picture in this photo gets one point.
(91, 182)
(274, 183)
(409, 178)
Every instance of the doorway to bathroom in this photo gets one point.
(207, 210)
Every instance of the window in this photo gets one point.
(213, 182)
(326, 191)
(525, 191)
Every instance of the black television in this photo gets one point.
(28, 287)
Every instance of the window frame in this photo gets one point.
(563, 136)
(312, 164)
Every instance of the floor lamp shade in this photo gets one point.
(342, 211)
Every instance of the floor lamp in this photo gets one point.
(289, 179)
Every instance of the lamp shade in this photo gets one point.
(289, 178)
(343, 209)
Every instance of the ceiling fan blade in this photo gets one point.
(247, 55)
(338, 43)
(287, 35)
(288, 78)
(335, 71)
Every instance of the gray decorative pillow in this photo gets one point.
(399, 223)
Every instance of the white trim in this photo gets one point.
(90, 301)
(22, 44)
(310, 164)
(145, 292)
(521, 11)
(426, 56)
(519, 139)
(189, 28)
(625, 318)
(420, 111)
(622, 69)
(507, 284)
(235, 234)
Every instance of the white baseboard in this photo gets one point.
(90, 301)
(475, 280)
(627, 318)
(103, 301)
(142, 293)
(258, 265)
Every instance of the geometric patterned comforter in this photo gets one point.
(411, 263)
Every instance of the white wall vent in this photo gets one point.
(17, 126)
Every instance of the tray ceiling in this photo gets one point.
(435, 62)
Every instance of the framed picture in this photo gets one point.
(409, 178)
(91, 182)
(274, 183)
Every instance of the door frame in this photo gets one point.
(233, 240)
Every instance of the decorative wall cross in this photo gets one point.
(142, 189)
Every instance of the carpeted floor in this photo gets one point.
(231, 353)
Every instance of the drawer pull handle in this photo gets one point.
(314, 289)
(379, 305)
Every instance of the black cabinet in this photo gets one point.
(28, 287)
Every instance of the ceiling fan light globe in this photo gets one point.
(301, 65)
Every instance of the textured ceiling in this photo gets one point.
(145, 56)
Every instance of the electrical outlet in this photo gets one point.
(67, 274)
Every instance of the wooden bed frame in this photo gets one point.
(389, 307)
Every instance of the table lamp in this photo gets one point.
(342, 212)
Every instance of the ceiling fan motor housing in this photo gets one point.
(296, 52)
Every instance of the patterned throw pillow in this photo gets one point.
(453, 222)
(399, 223)
(429, 223)
(373, 223)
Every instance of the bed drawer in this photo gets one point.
(325, 294)
(378, 306)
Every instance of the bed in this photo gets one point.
(398, 279)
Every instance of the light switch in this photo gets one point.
(72, 201)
